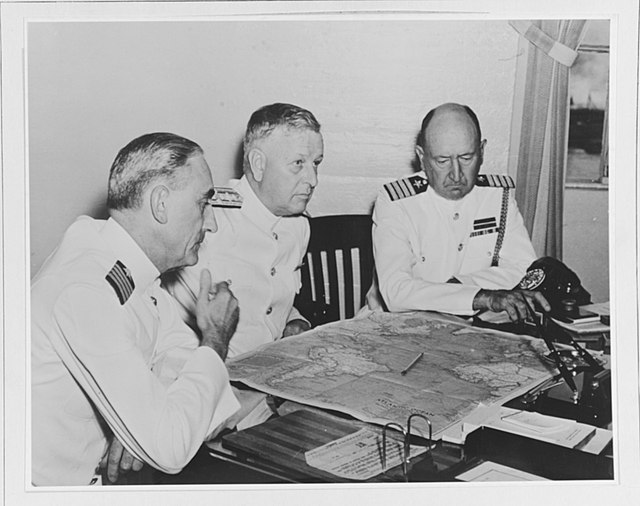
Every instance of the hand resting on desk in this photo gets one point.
(295, 327)
(518, 304)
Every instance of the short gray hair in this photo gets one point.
(267, 118)
(148, 158)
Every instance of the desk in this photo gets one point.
(217, 463)
(253, 459)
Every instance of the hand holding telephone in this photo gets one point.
(562, 289)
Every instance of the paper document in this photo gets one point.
(559, 431)
(358, 456)
(490, 471)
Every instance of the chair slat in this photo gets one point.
(339, 268)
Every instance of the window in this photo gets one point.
(587, 160)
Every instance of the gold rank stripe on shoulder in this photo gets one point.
(225, 197)
(406, 187)
(495, 181)
(121, 281)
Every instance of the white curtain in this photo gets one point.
(542, 150)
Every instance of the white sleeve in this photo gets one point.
(395, 258)
(294, 314)
(516, 255)
(163, 425)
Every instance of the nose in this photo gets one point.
(312, 175)
(455, 173)
(210, 223)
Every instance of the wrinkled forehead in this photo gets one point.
(293, 139)
(451, 131)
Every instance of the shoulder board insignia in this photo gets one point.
(121, 281)
(406, 187)
(225, 197)
(495, 181)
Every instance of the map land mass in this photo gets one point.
(354, 367)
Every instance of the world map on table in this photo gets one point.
(354, 366)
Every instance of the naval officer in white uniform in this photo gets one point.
(448, 239)
(259, 248)
(112, 362)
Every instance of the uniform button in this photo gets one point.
(488, 253)
(460, 246)
(273, 271)
(275, 236)
(422, 259)
(456, 216)
(269, 309)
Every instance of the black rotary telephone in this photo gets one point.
(559, 285)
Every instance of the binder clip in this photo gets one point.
(406, 442)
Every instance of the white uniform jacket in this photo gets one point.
(423, 240)
(259, 255)
(109, 352)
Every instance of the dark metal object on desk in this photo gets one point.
(406, 442)
(533, 456)
(584, 394)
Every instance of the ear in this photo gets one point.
(482, 144)
(420, 155)
(257, 163)
(159, 202)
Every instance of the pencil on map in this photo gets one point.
(413, 362)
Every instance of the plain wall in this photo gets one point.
(94, 86)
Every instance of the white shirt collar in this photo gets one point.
(254, 207)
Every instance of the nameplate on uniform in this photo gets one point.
(226, 197)
(484, 226)
(406, 187)
(121, 281)
(495, 181)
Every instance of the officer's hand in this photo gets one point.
(517, 303)
(217, 314)
(118, 460)
(295, 327)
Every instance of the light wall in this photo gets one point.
(95, 86)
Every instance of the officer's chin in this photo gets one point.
(193, 256)
(456, 193)
(299, 207)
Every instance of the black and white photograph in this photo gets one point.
(272, 252)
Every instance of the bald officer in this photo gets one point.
(448, 239)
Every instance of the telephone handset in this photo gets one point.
(559, 285)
